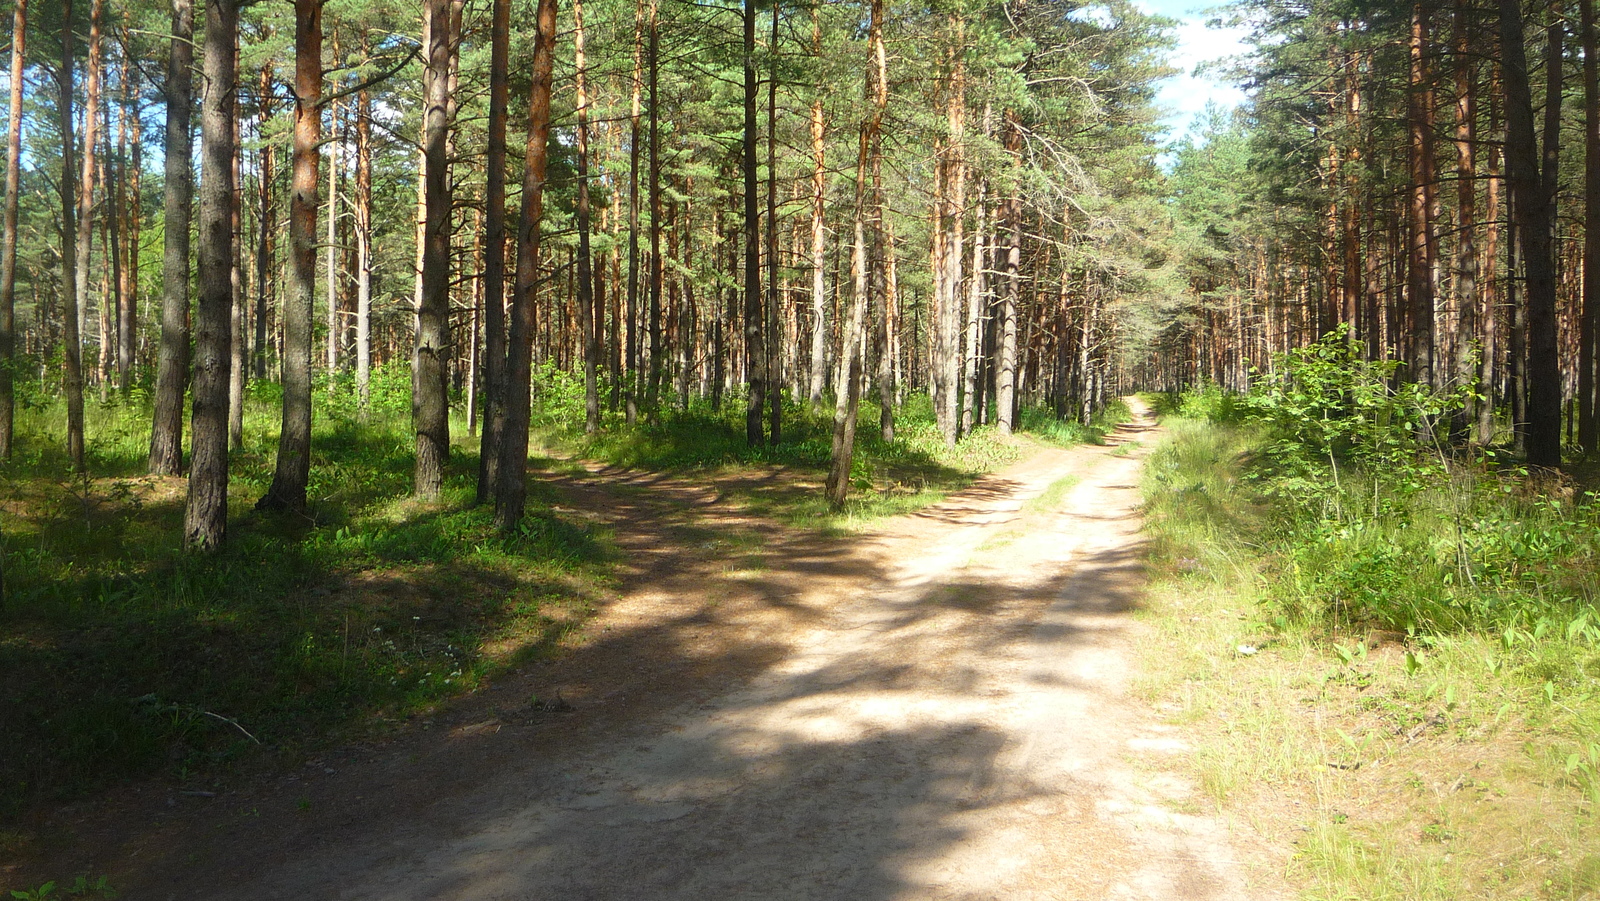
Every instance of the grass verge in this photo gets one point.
(1402, 691)
(122, 656)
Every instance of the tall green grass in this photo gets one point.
(1478, 581)
(123, 656)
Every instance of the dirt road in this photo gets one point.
(935, 710)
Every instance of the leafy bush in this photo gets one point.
(1326, 403)
(1351, 516)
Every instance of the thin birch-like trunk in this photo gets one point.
(361, 206)
(70, 305)
(585, 264)
(754, 317)
(819, 233)
(93, 77)
(1591, 233)
(8, 241)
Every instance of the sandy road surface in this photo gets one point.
(935, 710)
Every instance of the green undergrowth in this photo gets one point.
(1392, 653)
(888, 478)
(121, 656)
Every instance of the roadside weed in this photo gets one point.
(1418, 714)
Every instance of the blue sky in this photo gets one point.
(1185, 95)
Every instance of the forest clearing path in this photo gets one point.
(936, 709)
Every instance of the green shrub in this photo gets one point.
(1352, 516)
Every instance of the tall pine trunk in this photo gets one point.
(1489, 366)
(205, 517)
(430, 411)
(776, 346)
(93, 76)
(948, 327)
(819, 233)
(172, 369)
(754, 320)
(512, 495)
(288, 490)
(1591, 233)
(73, 351)
(1544, 351)
(585, 263)
(264, 230)
(330, 244)
(657, 215)
(8, 241)
(238, 339)
(1466, 139)
(837, 487)
(1532, 196)
(1006, 371)
(634, 154)
(128, 318)
(1423, 247)
(361, 206)
(494, 264)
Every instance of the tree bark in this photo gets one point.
(975, 302)
(1544, 350)
(883, 310)
(891, 305)
(238, 338)
(430, 411)
(494, 266)
(205, 518)
(512, 496)
(1532, 196)
(754, 320)
(1423, 246)
(819, 233)
(634, 145)
(585, 264)
(776, 346)
(837, 488)
(288, 490)
(361, 206)
(264, 229)
(172, 372)
(124, 252)
(1488, 365)
(330, 245)
(69, 250)
(8, 240)
(1591, 233)
(1466, 332)
(1006, 371)
(948, 326)
(93, 77)
(657, 216)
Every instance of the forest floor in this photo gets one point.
(939, 707)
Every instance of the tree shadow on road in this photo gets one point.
(703, 741)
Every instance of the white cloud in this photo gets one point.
(1185, 95)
